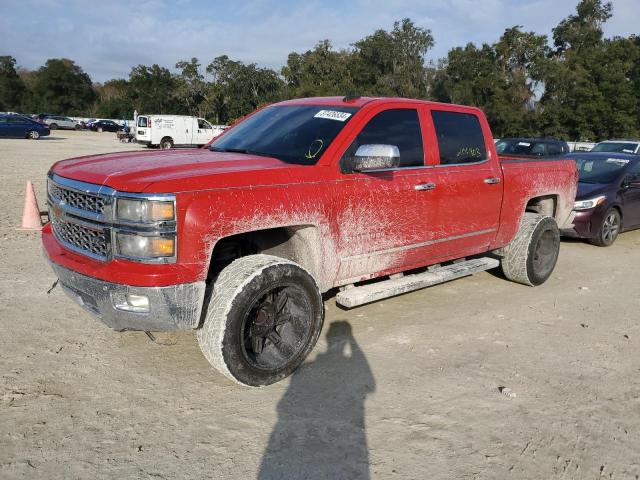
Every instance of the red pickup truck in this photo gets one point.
(240, 240)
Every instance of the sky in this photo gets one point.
(107, 38)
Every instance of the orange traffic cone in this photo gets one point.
(31, 214)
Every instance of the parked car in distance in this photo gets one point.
(59, 122)
(87, 123)
(618, 146)
(532, 147)
(104, 126)
(168, 131)
(608, 198)
(17, 126)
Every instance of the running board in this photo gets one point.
(353, 297)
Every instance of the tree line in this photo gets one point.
(576, 85)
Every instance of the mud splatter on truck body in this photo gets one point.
(451, 198)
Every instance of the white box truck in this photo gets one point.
(168, 131)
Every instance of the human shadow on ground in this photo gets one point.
(320, 432)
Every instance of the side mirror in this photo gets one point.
(373, 157)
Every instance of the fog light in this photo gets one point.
(133, 303)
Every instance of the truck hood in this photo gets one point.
(172, 170)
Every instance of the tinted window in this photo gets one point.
(142, 122)
(399, 127)
(460, 137)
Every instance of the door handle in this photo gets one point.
(492, 180)
(425, 186)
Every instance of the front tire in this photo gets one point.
(609, 230)
(532, 255)
(263, 319)
(34, 135)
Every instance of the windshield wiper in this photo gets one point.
(246, 151)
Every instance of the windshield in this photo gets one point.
(601, 170)
(293, 134)
(520, 147)
(620, 147)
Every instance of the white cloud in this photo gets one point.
(108, 38)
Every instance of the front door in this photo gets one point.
(377, 217)
(204, 133)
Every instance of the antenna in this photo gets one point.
(350, 97)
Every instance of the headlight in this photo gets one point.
(144, 211)
(591, 203)
(145, 247)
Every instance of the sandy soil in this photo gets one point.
(404, 388)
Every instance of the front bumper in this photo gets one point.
(176, 307)
(586, 224)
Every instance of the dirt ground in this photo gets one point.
(403, 388)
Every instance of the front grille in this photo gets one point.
(79, 200)
(93, 241)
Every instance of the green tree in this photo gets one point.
(319, 72)
(114, 100)
(153, 90)
(62, 87)
(503, 79)
(12, 88)
(392, 63)
(242, 88)
(192, 89)
(589, 88)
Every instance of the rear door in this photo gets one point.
(143, 129)
(466, 194)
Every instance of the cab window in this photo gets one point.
(460, 138)
(399, 127)
(203, 124)
(142, 122)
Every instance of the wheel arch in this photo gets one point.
(301, 244)
(544, 205)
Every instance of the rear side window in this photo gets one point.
(400, 127)
(460, 137)
(142, 122)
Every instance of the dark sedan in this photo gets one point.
(105, 126)
(531, 147)
(608, 198)
(17, 126)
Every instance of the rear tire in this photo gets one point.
(34, 135)
(532, 255)
(77, 127)
(166, 143)
(263, 319)
(53, 126)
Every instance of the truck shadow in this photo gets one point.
(320, 432)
